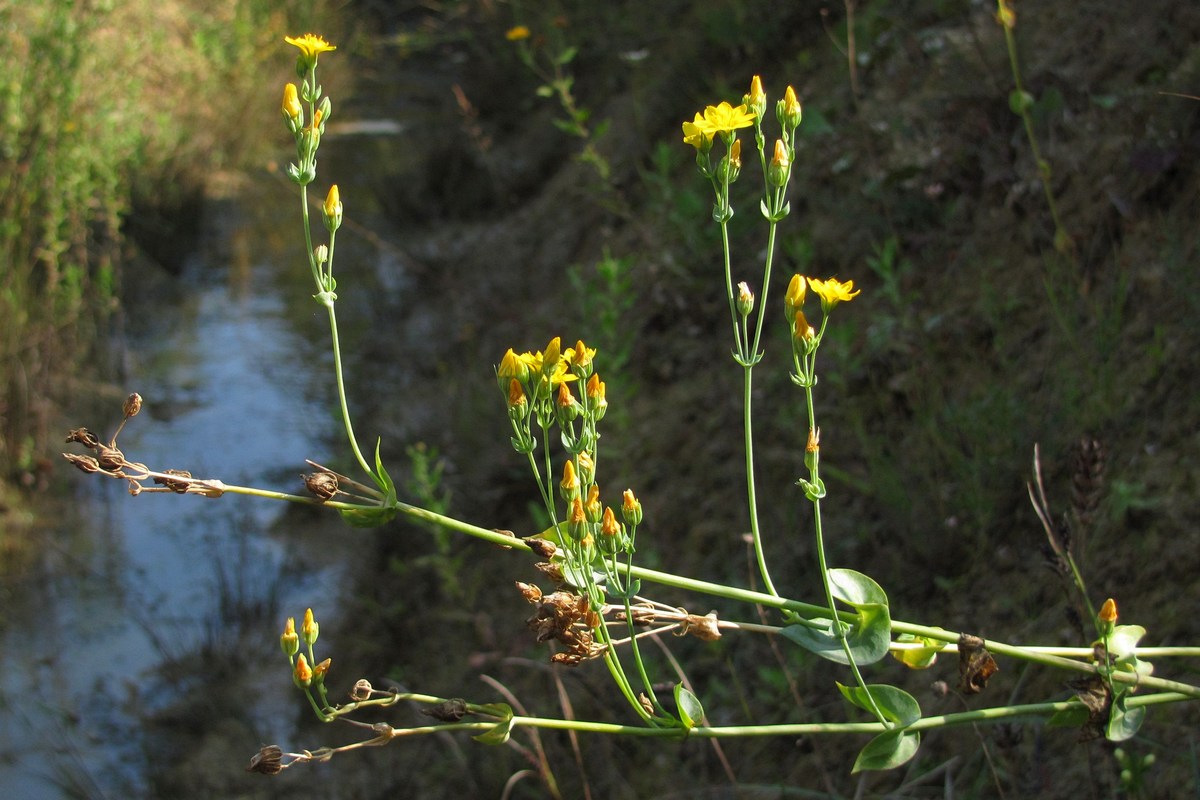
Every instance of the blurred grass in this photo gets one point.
(115, 117)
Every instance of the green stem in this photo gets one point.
(341, 387)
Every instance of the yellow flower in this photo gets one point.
(801, 330)
(724, 118)
(735, 155)
(513, 368)
(833, 291)
(333, 207)
(517, 33)
(310, 46)
(592, 506)
(695, 135)
(291, 102)
(780, 158)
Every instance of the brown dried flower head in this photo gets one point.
(322, 485)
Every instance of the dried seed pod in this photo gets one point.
(529, 591)
(268, 761)
(179, 487)
(322, 485)
(110, 459)
(541, 547)
(84, 463)
(361, 691)
(84, 437)
(133, 404)
(450, 711)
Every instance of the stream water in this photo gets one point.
(128, 586)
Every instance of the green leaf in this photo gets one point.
(1124, 639)
(499, 710)
(896, 705)
(1074, 716)
(887, 751)
(368, 517)
(566, 56)
(869, 635)
(688, 706)
(381, 476)
(635, 586)
(1123, 722)
(918, 657)
(498, 734)
(1020, 102)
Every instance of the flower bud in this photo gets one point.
(566, 407)
(516, 395)
(732, 165)
(587, 468)
(551, 356)
(608, 523)
(293, 112)
(320, 669)
(812, 449)
(569, 486)
(301, 673)
(511, 368)
(596, 396)
(288, 640)
(309, 630)
(332, 210)
(777, 170)
(745, 299)
(631, 509)
(803, 334)
(756, 99)
(788, 111)
(592, 507)
(793, 298)
(576, 522)
(1107, 617)
(581, 358)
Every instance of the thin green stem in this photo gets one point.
(341, 387)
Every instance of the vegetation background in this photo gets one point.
(973, 339)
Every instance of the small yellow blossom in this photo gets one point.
(551, 355)
(833, 291)
(695, 135)
(724, 118)
(333, 201)
(580, 356)
(320, 669)
(291, 102)
(310, 46)
(735, 156)
(565, 398)
(517, 33)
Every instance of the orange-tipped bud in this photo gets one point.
(608, 524)
(745, 299)
(309, 630)
(570, 481)
(777, 170)
(512, 367)
(756, 98)
(1108, 611)
(592, 507)
(788, 110)
(551, 356)
(631, 509)
(289, 641)
(302, 674)
(516, 395)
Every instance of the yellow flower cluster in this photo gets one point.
(722, 118)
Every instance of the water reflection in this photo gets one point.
(140, 606)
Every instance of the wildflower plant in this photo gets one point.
(600, 605)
